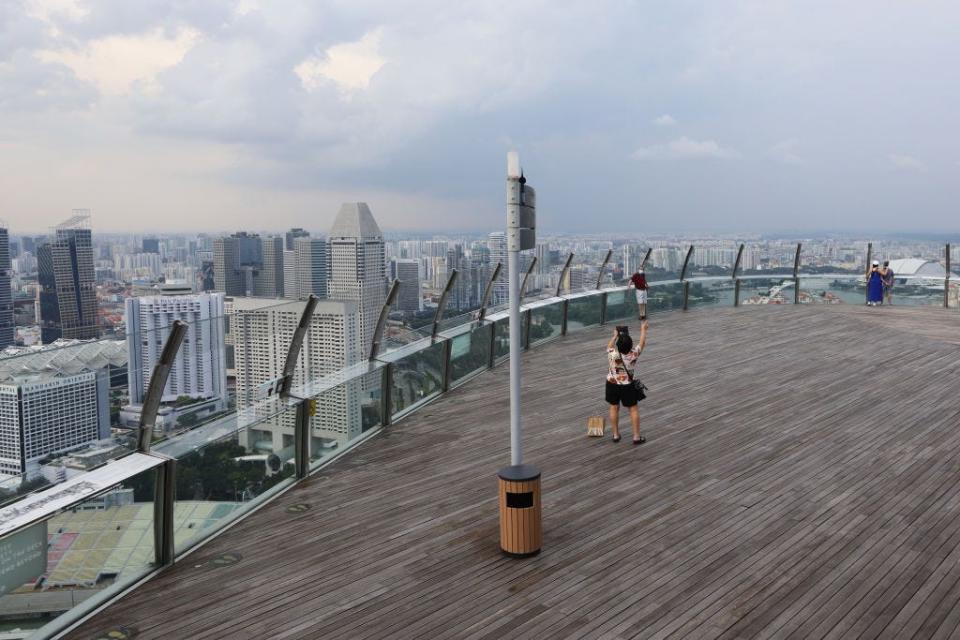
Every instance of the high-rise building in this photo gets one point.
(357, 269)
(247, 265)
(6, 296)
(262, 331)
(68, 296)
(151, 245)
(408, 273)
(290, 274)
(199, 370)
(311, 275)
(292, 235)
(497, 243)
(268, 281)
(46, 407)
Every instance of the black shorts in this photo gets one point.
(625, 394)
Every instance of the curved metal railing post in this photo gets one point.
(296, 343)
(736, 280)
(866, 279)
(164, 488)
(603, 267)
(489, 289)
(796, 275)
(382, 320)
(646, 258)
(526, 277)
(442, 304)
(683, 278)
(301, 431)
(563, 274)
(158, 380)
(946, 280)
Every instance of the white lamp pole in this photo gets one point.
(513, 276)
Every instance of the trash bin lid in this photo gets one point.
(519, 473)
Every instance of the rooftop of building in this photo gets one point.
(61, 357)
(796, 482)
(354, 220)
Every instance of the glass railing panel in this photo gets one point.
(831, 289)
(344, 413)
(501, 339)
(711, 292)
(664, 297)
(469, 353)
(546, 322)
(417, 377)
(77, 558)
(583, 312)
(766, 290)
(622, 305)
(223, 476)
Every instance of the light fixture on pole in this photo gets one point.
(520, 530)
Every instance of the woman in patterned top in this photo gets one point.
(622, 357)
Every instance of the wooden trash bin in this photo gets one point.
(520, 531)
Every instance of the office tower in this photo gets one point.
(311, 267)
(46, 407)
(268, 281)
(497, 243)
(241, 269)
(357, 265)
(262, 331)
(408, 298)
(14, 249)
(543, 258)
(435, 248)
(28, 244)
(290, 274)
(68, 295)
(292, 235)
(6, 296)
(199, 370)
(151, 245)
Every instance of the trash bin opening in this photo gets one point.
(520, 500)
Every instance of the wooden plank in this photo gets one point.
(777, 495)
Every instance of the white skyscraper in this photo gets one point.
(497, 243)
(199, 370)
(357, 265)
(262, 329)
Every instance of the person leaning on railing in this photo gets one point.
(639, 282)
(622, 355)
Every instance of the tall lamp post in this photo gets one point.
(519, 484)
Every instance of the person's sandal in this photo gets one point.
(616, 438)
(640, 441)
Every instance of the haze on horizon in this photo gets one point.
(687, 117)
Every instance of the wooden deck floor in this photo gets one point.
(801, 479)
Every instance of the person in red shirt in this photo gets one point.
(639, 282)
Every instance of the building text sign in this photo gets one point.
(23, 557)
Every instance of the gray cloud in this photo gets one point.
(577, 89)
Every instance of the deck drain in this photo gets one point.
(117, 633)
(299, 507)
(226, 559)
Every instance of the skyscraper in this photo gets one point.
(151, 245)
(268, 281)
(68, 295)
(357, 260)
(6, 297)
(248, 265)
(408, 273)
(199, 370)
(292, 235)
(262, 331)
(497, 243)
(311, 267)
(290, 274)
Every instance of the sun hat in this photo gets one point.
(876, 263)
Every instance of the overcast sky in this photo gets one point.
(644, 116)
